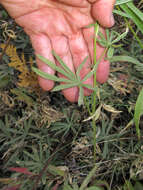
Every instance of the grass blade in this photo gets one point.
(121, 14)
(136, 18)
(135, 10)
(119, 2)
(138, 112)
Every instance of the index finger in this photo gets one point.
(102, 12)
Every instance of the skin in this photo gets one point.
(61, 25)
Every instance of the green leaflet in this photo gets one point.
(119, 2)
(66, 73)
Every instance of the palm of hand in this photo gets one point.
(57, 19)
(58, 25)
(51, 16)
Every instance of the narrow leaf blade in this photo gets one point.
(49, 76)
(54, 67)
(68, 71)
(81, 66)
(64, 86)
(138, 112)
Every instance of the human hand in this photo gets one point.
(60, 25)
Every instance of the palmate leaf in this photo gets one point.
(71, 80)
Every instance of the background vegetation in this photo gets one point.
(47, 143)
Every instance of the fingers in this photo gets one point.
(79, 52)
(42, 46)
(89, 39)
(102, 12)
(61, 47)
(103, 69)
(72, 56)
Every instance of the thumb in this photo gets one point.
(102, 12)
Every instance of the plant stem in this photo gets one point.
(96, 30)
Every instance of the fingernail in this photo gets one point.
(112, 20)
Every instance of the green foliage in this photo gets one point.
(119, 2)
(138, 64)
(129, 186)
(19, 134)
(131, 12)
(110, 41)
(135, 14)
(25, 142)
(138, 112)
(109, 44)
(70, 125)
(71, 79)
